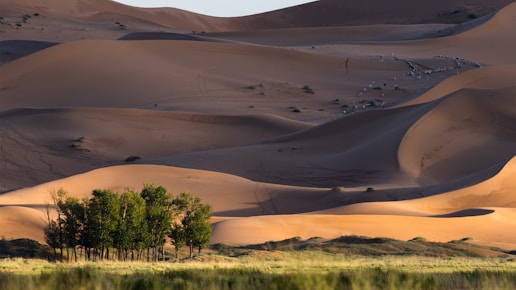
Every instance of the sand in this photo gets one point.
(293, 123)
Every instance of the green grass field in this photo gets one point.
(266, 270)
(348, 262)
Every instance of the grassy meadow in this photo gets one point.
(266, 270)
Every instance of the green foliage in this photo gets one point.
(103, 219)
(177, 237)
(73, 217)
(158, 215)
(194, 229)
(128, 223)
(52, 236)
(131, 233)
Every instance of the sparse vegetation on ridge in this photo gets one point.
(348, 262)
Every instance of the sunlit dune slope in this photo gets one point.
(484, 212)
(492, 228)
(486, 78)
(494, 192)
(229, 195)
(467, 131)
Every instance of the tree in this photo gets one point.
(158, 203)
(128, 222)
(72, 217)
(202, 227)
(52, 234)
(58, 198)
(103, 218)
(194, 217)
(132, 228)
(177, 237)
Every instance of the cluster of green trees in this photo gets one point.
(127, 226)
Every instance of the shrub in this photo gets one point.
(132, 158)
(418, 239)
(337, 188)
(308, 90)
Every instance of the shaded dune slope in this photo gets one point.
(453, 137)
(491, 43)
(142, 73)
(320, 13)
(40, 145)
(356, 150)
(336, 12)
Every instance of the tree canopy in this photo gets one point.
(131, 225)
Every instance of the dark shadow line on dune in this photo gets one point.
(166, 36)
(11, 50)
(466, 213)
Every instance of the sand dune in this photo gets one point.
(467, 123)
(166, 73)
(493, 77)
(486, 228)
(201, 77)
(475, 44)
(229, 195)
(495, 192)
(59, 20)
(394, 119)
(45, 144)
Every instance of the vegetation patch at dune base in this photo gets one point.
(294, 271)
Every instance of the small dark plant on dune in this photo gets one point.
(132, 158)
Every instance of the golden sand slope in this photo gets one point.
(467, 131)
(489, 223)
(229, 195)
